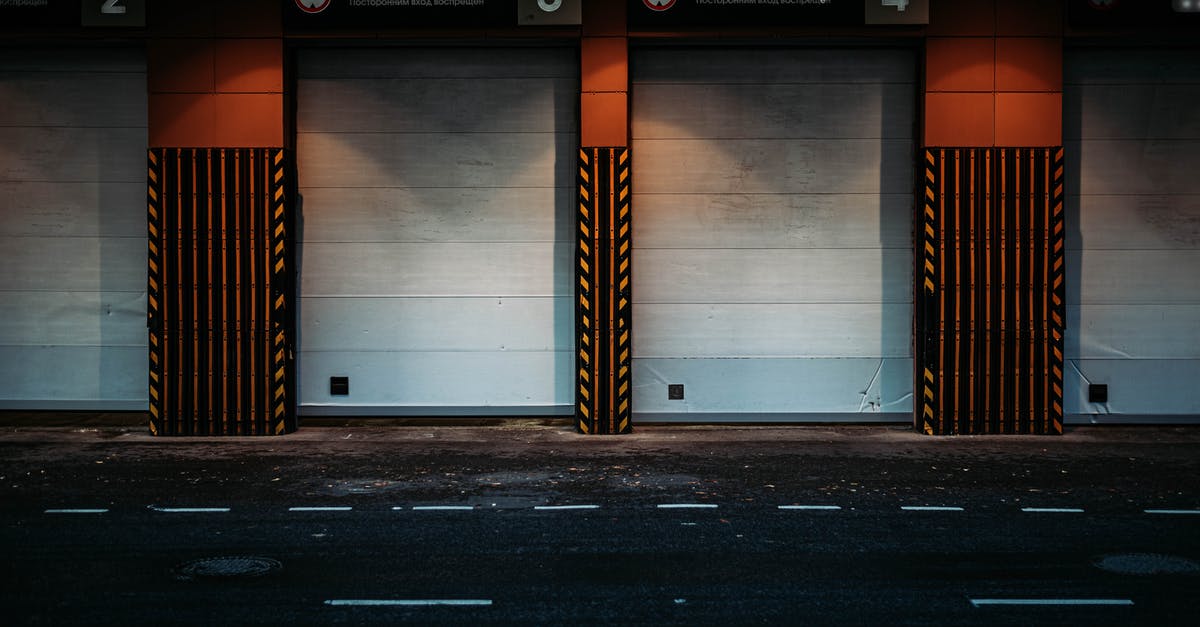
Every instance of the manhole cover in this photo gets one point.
(1147, 564)
(227, 567)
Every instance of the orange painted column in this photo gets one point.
(993, 73)
(604, 226)
(215, 73)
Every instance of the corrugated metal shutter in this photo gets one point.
(773, 195)
(436, 262)
(1132, 127)
(73, 229)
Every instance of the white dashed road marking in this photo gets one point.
(408, 602)
(1174, 511)
(1052, 510)
(929, 508)
(444, 508)
(190, 510)
(812, 507)
(559, 508)
(687, 506)
(76, 511)
(339, 508)
(983, 602)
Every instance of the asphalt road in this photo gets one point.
(532, 524)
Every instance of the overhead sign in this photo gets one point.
(549, 12)
(664, 14)
(324, 15)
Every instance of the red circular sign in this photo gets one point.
(313, 6)
(658, 5)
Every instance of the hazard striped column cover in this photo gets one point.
(603, 396)
(990, 292)
(220, 292)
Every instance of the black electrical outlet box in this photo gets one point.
(339, 386)
(1098, 393)
(675, 392)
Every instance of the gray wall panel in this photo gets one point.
(769, 65)
(448, 160)
(432, 324)
(1134, 331)
(755, 330)
(437, 63)
(1145, 387)
(1142, 222)
(84, 264)
(783, 275)
(41, 376)
(1135, 276)
(440, 379)
(73, 99)
(89, 319)
(63, 154)
(739, 111)
(515, 105)
(772, 166)
(87, 209)
(751, 386)
(506, 215)
(435, 269)
(1134, 217)
(773, 199)
(773, 220)
(437, 255)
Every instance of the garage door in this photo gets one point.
(437, 187)
(772, 219)
(73, 229)
(1132, 126)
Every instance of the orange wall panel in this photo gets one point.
(247, 18)
(1029, 64)
(604, 119)
(1030, 18)
(182, 120)
(249, 65)
(179, 65)
(959, 63)
(959, 119)
(962, 17)
(249, 120)
(604, 63)
(1029, 119)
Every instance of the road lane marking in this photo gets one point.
(981, 602)
(812, 507)
(1173, 511)
(929, 508)
(687, 506)
(408, 602)
(560, 508)
(189, 510)
(443, 508)
(1052, 510)
(337, 508)
(76, 511)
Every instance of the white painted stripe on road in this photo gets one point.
(443, 508)
(929, 508)
(687, 506)
(337, 508)
(1184, 512)
(811, 507)
(561, 508)
(190, 510)
(1052, 510)
(981, 602)
(76, 511)
(408, 602)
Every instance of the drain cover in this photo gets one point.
(227, 567)
(1147, 564)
